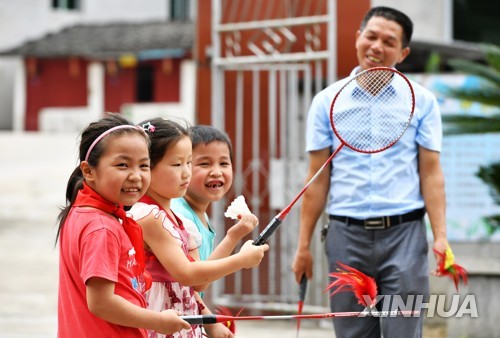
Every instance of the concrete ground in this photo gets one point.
(33, 175)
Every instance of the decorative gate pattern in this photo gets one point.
(268, 59)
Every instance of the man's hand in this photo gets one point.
(303, 264)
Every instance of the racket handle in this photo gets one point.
(200, 319)
(268, 231)
(303, 288)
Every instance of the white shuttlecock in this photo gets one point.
(237, 208)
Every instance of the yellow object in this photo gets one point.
(449, 258)
(127, 61)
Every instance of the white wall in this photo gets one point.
(7, 76)
(31, 19)
(431, 18)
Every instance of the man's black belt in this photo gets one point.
(377, 223)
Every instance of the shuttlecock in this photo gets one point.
(237, 208)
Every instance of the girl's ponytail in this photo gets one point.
(75, 183)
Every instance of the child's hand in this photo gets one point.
(247, 223)
(252, 254)
(171, 322)
(218, 330)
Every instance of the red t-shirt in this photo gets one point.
(94, 244)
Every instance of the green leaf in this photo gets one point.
(485, 95)
(466, 124)
(492, 53)
(487, 73)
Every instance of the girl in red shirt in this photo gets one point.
(101, 266)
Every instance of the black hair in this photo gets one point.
(163, 135)
(393, 15)
(88, 136)
(203, 134)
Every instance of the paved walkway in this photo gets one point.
(282, 329)
(33, 174)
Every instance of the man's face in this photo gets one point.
(380, 44)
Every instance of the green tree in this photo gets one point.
(488, 93)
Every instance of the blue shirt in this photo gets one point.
(180, 206)
(378, 184)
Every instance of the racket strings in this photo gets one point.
(368, 114)
(372, 111)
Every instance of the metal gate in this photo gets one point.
(284, 46)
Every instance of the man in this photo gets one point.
(403, 181)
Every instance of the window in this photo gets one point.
(179, 9)
(144, 85)
(476, 21)
(66, 4)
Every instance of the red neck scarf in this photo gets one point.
(87, 197)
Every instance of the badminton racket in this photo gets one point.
(369, 114)
(213, 319)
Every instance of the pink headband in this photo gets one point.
(107, 132)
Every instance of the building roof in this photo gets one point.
(112, 40)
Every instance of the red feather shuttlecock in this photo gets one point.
(349, 279)
(448, 267)
(230, 324)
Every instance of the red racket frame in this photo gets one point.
(278, 219)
